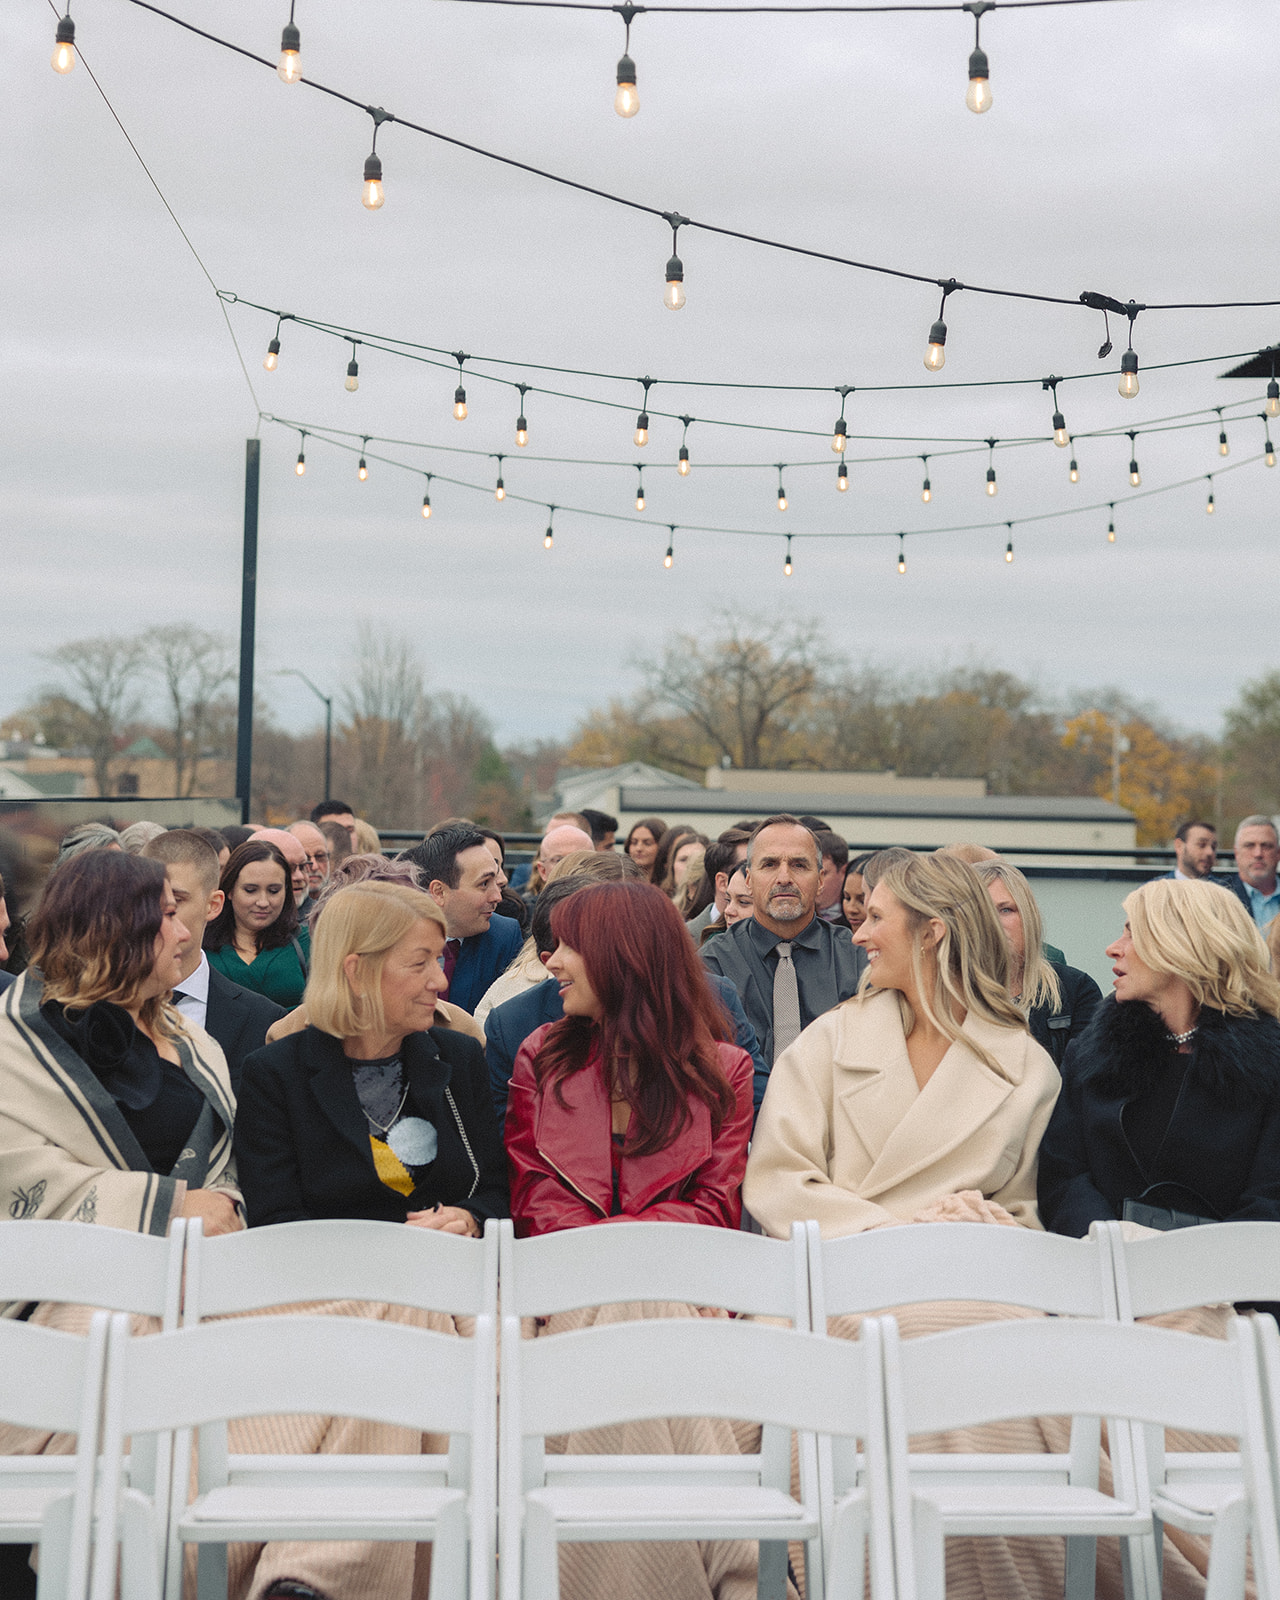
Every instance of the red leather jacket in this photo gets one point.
(561, 1156)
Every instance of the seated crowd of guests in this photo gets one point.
(249, 1036)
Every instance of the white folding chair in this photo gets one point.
(686, 1367)
(77, 1263)
(52, 1380)
(871, 1272)
(998, 1371)
(636, 1261)
(200, 1377)
(338, 1259)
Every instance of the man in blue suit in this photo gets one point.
(465, 881)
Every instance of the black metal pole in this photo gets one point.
(328, 745)
(248, 613)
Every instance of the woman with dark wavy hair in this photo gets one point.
(633, 1105)
(255, 939)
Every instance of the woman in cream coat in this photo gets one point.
(923, 1098)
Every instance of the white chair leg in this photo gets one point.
(929, 1547)
(771, 1570)
(540, 1555)
(141, 1559)
(1081, 1568)
(449, 1561)
(847, 1553)
(1225, 1580)
(55, 1550)
(211, 1572)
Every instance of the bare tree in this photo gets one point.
(384, 708)
(193, 665)
(104, 674)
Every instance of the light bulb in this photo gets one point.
(1209, 504)
(373, 196)
(787, 568)
(272, 358)
(1111, 532)
(641, 436)
(426, 505)
(682, 466)
(522, 431)
(842, 477)
(500, 490)
(902, 561)
(1008, 551)
(1074, 473)
(640, 501)
(1128, 375)
(1270, 457)
(926, 491)
(669, 557)
(300, 465)
(935, 357)
(290, 67)
(991, 481)
(64, 50)
(1135, 477)
(353, 378)
(548, 539)
(362, 471)
(1273, 399)
(626, 102)
(1060, 435)
(460, 403)
(839, 437)
(978, 95)
(673, 295)
(782, 500)
(1224, 449)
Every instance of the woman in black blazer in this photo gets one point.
(370, 1111)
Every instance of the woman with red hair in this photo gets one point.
(634, 1105)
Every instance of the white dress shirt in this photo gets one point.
(192, 995)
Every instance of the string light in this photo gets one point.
(353, 372)
(926, 488)
(640, 501)
(640, 437)
(1224, 449)
(272, 358)
(935, 356)
(1073, 471)
(787, 568)
(842, 476)
(1209, 506)
(1111, 525)
(671, 547)
(626, 102)
(840, 434)
(549, 538)
(782, 493)
(1008, 549)
(426, 499)
(992, 486)
(902, 553)
(1270, 450)
(300, 465)
(682, 460)
(1135, 477)
(64, 46)
(1128, 374)
(362, 471)
(374, 196)
(978, 95)
(1060, 435)
(1273, 399)
(522, 427)
(460, 394)
(290, 69)
(673, 297)
(500, 488)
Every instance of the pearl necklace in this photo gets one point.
(1182, 1038)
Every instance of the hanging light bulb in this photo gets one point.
(641, 436)
(840, 433)
(991, 467)
(978, 95)
(362, 471)
(683, 464)
(782, 493)
(500, 488)
(1111, 526)
(548, 538)
(671, 546)
(272, 358)
(674, 296)
(902, 553)
(64, 48)
(787, 568)
(373, 195)
(926, 488)
(426, 499)
(353, 374)
(1135, 477)
(1209, 508)
(289, 69)
(460, 404)
(1008, 549)
(626, 102)
(640, 501)
(1224, 449)
(935, 356)
(1060, 435)
(1270, 457)
(300, 465)
(992, 486)
(1073, 471)
(1128, 374)
(522, 427)
(842, 477)
(1273, 399)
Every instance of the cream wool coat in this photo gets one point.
(846, 1137)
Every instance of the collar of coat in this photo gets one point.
(1126, 1046)
(903, 1128)
(576, 1139)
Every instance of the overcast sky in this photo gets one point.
(1130, 149)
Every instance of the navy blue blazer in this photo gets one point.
(482, 958)
(508, 1026)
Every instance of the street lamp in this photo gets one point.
(292, 672)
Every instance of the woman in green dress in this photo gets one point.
(255, 939)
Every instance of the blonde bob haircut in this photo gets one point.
(967, 971)
(366, 920)
(1040, 986)
(1201, 934)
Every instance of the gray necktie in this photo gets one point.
(786, 1001)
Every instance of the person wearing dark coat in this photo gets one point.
(238, 1020)
(464, 879)
(370, 1111)
(1171, 1097)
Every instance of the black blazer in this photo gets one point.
(1221, 1154)
(238, 1018)
(302, 1139)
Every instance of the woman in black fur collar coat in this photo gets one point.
(1172, 1096)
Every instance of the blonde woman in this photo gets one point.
(1170, 1110)
(1058, 1000)
(924, 1097)
(367, 840)
(371, 1111)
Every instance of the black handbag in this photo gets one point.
(1166, 1218)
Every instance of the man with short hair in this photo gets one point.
(835, 858)
(560, 840)
(719, 861)
(1195, 850)
(235, 1017)
(1257, 851)
(462, 876)
(295, 853)
(787, 966)
(604, 829)
(338, 811)
(317, 848)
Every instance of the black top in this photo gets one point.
(156, 1098)
(1056, 1026)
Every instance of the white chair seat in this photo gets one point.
(22, 1510)
(686, 1510)
(316, 1512)
(977, 1508)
